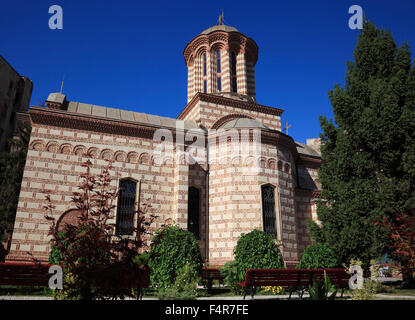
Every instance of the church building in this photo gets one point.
(213, 191)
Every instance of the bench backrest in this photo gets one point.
(211, 273)
(294, 277)
(28, 274)
(24, 274)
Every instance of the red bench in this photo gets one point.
(295, 279)
(37, 275)
(25, 274)
(210, 274)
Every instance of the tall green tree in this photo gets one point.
(369, 150)
(11, 172)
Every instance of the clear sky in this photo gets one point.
(129, 54)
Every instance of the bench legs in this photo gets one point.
(252, 292)
(139, 293)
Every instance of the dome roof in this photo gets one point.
(221, 27)
(240, 123)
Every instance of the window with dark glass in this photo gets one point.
(219, 84)
(233, 72)
(204, 64)
(233, 63)
(234, 85)
(268, 209)
(218, 69)
(126, 207)
(193, 210)
(204, 86)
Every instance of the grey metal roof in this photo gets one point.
(306, 150)
(131, 116)
(220, 28)
(243, 123)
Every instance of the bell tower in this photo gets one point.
(221, 61)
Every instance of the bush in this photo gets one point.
(184, 287)
(231, 276)
(171, 249)
(254, 250)
(368, 291)
(318, 255)
(257, 250)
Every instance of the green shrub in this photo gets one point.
(184, 287)
(231, 276)
(171, 249)
(254, 250)
(367, 292)
(257, 250)
(318, 255)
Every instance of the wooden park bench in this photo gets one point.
(25, 274)
(37, 275)
(210, 274)
(294, 279)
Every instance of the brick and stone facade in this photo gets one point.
(230, 185)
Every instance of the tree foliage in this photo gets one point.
(94, 259)
(402, 233)
(11, 172)
(369, 150)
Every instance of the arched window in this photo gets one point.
(204, 65)
(126, 207)
(268, 209)
(218, 66)
(233, 72)
(193, 211)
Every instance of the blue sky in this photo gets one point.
(129, 54)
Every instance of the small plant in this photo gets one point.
(367, 292)
(276, 290)
(320, 290)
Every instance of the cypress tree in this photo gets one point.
(369, 149)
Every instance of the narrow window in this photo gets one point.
(219, 84)
(218, 69)
(193, 211)
(205, 86)
(233, 72)
(204, 64)
(234, 85)
(233, 63)
(268, 209)
(126, 207)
